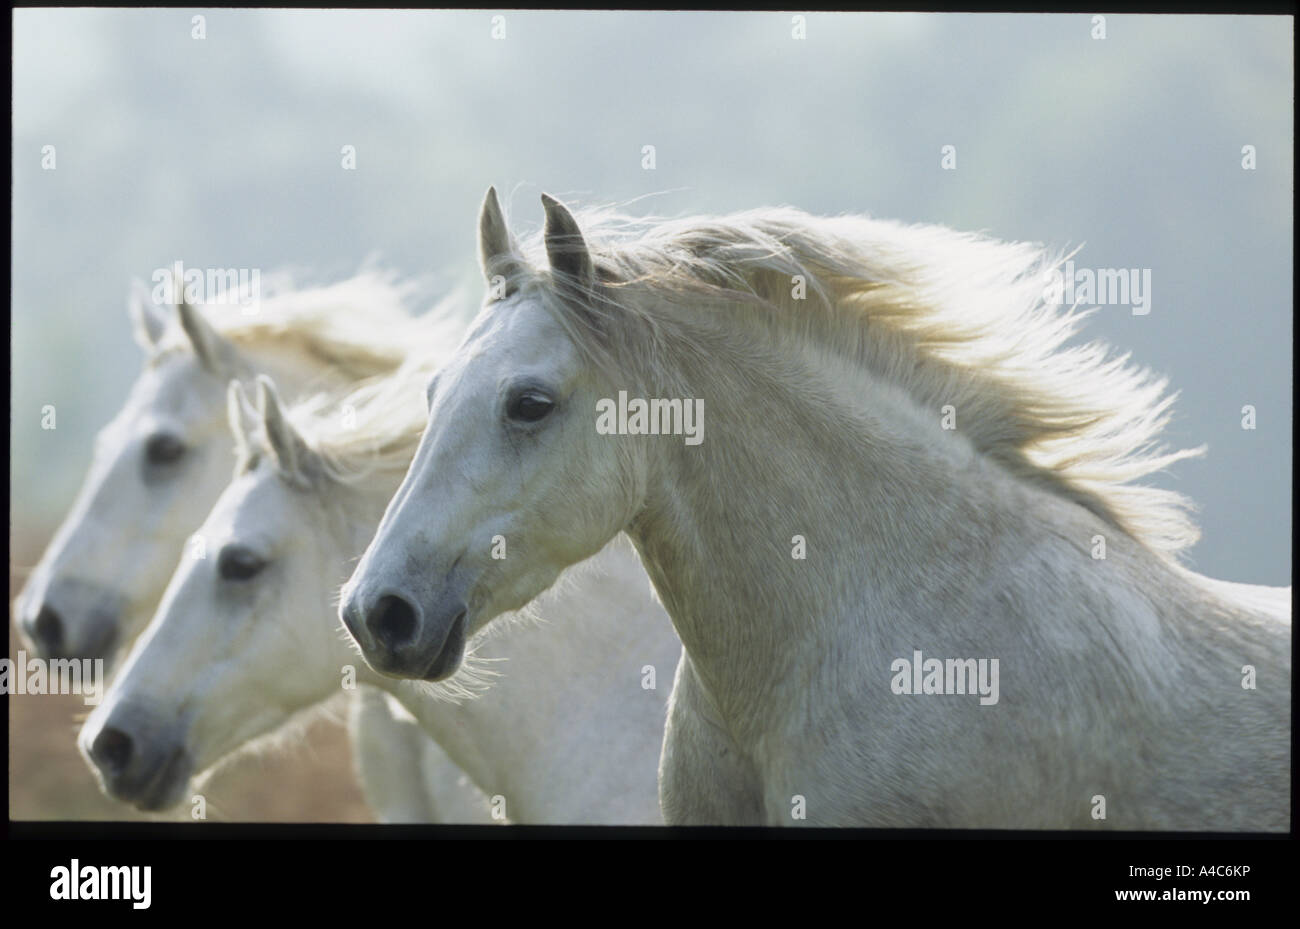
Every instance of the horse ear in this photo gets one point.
(565, 246)
(285, 443)
(213, 351)
(148, 323)
(497, 252)
(241, 414)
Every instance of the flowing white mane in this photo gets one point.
(373, 424)
(376, 427)
(952, 318)
(362, 325)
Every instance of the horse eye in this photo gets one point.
(237, 563)
(163, 448)
(528, 406)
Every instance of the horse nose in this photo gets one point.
(112, 750)
(73, 619)
(392, 621)
(403, 637)
(46, 631)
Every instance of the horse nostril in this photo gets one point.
(392, 621)
(47, 630)
(112, 749)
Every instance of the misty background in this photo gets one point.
(226, 152)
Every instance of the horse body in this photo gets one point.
(1119, 678)
(902, 458)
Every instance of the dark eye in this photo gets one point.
(528, 406)
(163, 448)
(237, 563)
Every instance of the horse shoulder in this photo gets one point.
(704, 777)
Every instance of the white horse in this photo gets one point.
(163, 460)
(900, 457)
(569, 723)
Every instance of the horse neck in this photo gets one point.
(898, 516)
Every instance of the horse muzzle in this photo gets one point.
(72, 619)
(137, 761)
(400, 639)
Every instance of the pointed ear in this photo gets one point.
(148, 322)
(497, 252)
(565, 246)
(288, 447)
(214, 352)
(242, 415)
